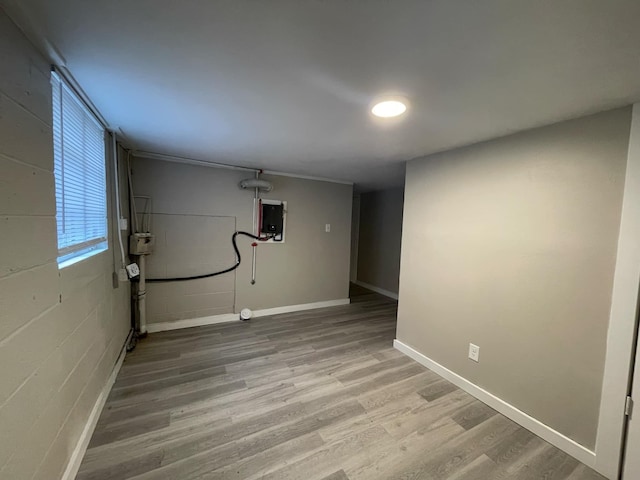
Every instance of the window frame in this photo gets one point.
(69, 254)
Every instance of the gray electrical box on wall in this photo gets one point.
(141, 243)
(273, 215)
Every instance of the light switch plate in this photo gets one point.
(474, 352)
(327, 227)
(124, 225)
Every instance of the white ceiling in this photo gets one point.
(287, 84)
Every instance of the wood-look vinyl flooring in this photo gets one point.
(320, 395)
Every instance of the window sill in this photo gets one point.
(80, 257)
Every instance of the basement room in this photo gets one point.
(319, 240)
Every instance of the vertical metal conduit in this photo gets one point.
(255, 232)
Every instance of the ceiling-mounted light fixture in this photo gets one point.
(389, 107)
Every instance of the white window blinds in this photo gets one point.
(81, 191)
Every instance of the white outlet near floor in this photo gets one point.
(474, 352)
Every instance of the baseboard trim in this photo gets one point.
(83, 442)
(381, 291)
(299, 308)
(235, 317)
(547, 433)
(192, 322)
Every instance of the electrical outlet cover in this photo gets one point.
(133, 270)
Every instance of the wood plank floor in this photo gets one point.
(312, 395)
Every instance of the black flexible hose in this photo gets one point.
(221, 272)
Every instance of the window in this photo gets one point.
(80, 173)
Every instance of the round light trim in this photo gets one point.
(389, 108)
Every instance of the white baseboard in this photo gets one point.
(381, 291)
(83, 442)
(299, 308)
(547, 433)
(235, 317)
(192, 322)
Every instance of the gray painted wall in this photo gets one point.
(355, 234)
(60, 330)
(511, 244)
(196, 209)
(380, 238)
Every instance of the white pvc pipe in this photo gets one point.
(189, 161)
(142, 294)
(114, 147)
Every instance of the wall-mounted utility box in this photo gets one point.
(141, 243)
(272, 220)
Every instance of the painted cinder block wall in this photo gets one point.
(61, 331)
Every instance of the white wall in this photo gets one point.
(511, 244)
(60, 330)
(623, 321)
(196, 209)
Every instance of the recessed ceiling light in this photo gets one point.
(389, 108)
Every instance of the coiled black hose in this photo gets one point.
(221, 272)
